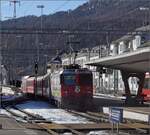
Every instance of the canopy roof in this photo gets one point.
(138, 61)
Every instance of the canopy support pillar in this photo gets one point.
(138, 98)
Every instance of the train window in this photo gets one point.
(85, 79)
(30, 83)
(69, 79)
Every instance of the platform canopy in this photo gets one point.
(135, 61)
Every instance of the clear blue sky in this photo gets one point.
(30, 7)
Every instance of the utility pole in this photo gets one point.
(72, 49)
(36, 64)
(0, 55)
(15, 2)
(37, 46)
(45, 63)
(99, 74)
(36, 74)
(41, 7)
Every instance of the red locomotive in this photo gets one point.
(71, 87)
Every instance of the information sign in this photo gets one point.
(116, 115)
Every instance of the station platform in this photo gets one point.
(11, 126)
(100, 101)
(133, 113)
(131, 64)
(105, 100)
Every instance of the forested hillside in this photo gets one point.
(20, 51)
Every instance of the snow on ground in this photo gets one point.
(4, 112)
(10, 97)
(50, 113)
(7, 90)
(99, 133)
(9, 94)
(18, 112)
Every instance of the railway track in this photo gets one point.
(94, 117)
(17, 114)
(44, 124)
(37, 121)
(24, 116)
(99, 121)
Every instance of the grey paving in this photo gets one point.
(22, 132)
(9, 123)
(11, 127)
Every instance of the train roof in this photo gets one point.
(82, 70)
(72, 66)
(31, 78)
(25, 77)
(38, 77)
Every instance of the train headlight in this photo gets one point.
(77, 89)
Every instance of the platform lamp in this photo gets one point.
(41, 7)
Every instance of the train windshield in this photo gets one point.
(69, 79)
(147, 83)
(85, 79)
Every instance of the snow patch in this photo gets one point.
(50, 113)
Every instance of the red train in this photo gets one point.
(39, 86)
(146, 88)
(71, 87)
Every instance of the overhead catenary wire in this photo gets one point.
(69, 31)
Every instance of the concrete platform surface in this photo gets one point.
(9, 123)
(11, 127)
(22, 132)
(142, 110)
(133, 113)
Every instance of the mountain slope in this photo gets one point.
(95, 15)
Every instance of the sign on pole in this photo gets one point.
(116, 115)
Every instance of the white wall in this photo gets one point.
(113, 49)
(136, 42)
